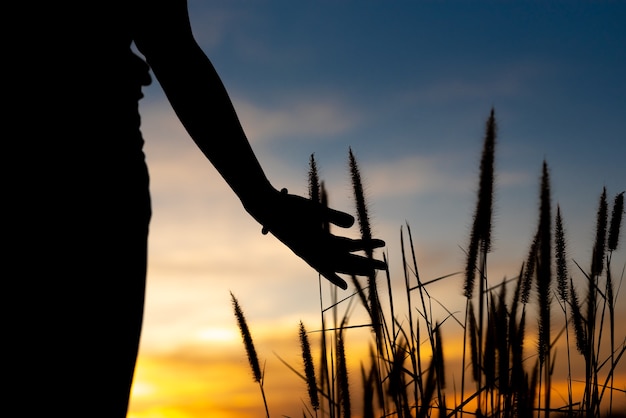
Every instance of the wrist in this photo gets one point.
(258, 200)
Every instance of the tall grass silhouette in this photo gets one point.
(250, 350)
(502, 374)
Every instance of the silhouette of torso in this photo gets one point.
(78, 204)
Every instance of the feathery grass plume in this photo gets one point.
(485, 194)
(366, 236)
(517, 294)
(599, 247)
(324, 202)
(597, 266)
(470, 267)
(250, 351)
(544, 266)
(562, 292)
(314, 181)
(317, 191)
(359, 196)
(247, 340)
(616, 221)
(480, 236)
(529, 271)
(561, 259)
(544, 279)
(309, 369)
(578, 320)
(343, 385)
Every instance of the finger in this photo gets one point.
(339, 218)
(351, 245)
(336, 280)
(358, 265)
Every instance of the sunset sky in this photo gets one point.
(408, 86)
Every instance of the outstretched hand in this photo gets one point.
(299, 224)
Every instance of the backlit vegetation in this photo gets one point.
(503, 374)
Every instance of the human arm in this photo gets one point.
(202, 104)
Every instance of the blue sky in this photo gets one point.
(409, 86)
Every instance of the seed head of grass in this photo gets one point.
(359, 196)
(599, 247)
(470, 266)
(366, 236)
(544, 267)
(577, 320)
(529, 271)
(309, 369)
(515, 300)
(487, 174)
(616, 221)
(247, 340)
(314, 181)
(561, 259)
(480, 236)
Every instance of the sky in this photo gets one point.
(408, 86)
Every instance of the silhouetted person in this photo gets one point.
(76, 197)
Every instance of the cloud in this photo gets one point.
(306, 117)
(514, 80)
(311, 117)
(415, 175)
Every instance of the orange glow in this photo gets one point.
(213, 379)
(184, 386)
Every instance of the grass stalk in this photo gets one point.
(250, 350)
(309, 368)
(563, 296)
(543, 282)
(418, 391)
(480, 236)
(597, 266)
(612, 243)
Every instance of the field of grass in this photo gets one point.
(506, 370)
